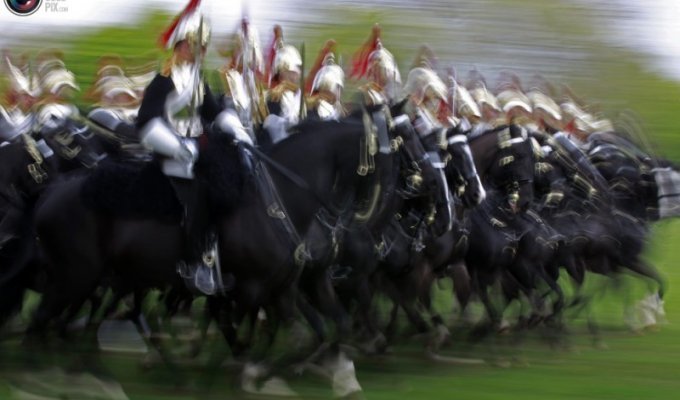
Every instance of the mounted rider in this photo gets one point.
(58, 89)
(324, 84)
(426, 97)
(427, 108)
(378, 65)
(116, 99)
(17, 116)
(242, 77)
(176, 107)
(489, 108)
(17, 119)
(284, 98)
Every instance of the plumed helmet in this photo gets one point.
(287, 59)
(330, 77)
(422, 83)
(545, 104)
(114, 85)
(58, 78)
(512, 98)
(485, 98)
(246, 51)
(465, 103)
(190, 28)
(382, 68)
(188, 25)
(19, 82)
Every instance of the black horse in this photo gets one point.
(24, 174)
(498, 224)
(262, 245)
(443, 256)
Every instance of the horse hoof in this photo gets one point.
(276, 387)
(344, 377)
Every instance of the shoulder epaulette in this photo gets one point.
(372, 94)
(277, 92)
(166, 70)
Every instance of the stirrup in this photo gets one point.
(204, 279)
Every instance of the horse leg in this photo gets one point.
(149, 326)
(377, 341)
(462, 288)
(651, 307)
(391, 329)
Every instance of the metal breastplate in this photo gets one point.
(52, 112)
(290, 106)
(327, 111)
(14, 123)
(179, 106)
(376, 97)
(425, 124)
(237, 90)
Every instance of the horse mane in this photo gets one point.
(302, 131)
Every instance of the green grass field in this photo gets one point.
(633, 366)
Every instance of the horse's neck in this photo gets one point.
(484, 148)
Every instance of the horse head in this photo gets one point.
(462, 169)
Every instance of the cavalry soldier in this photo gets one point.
(284, 97)
(546, 113)
(175, 107)
(377, 64)
(489, 108)
(18, 117)
(243, 75)
(466, 109)
(16, 122)
(426, 96)
(116, 100)
(325, 84)
(514, 103)
(58, 87)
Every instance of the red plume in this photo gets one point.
(165, 36)
(327, 48)
(360, 57)
(271, 52)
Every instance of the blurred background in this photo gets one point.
(620, 56)
(617, 54)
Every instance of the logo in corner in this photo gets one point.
(23, 7)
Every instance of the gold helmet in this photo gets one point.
(382, 68)
(545, 105)
(485, 98)
(512, 98)
(188, 25)
(423, 83)
(58, 79)
(287, 59)
(246, 51)
(330, 78)
(465, 104)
